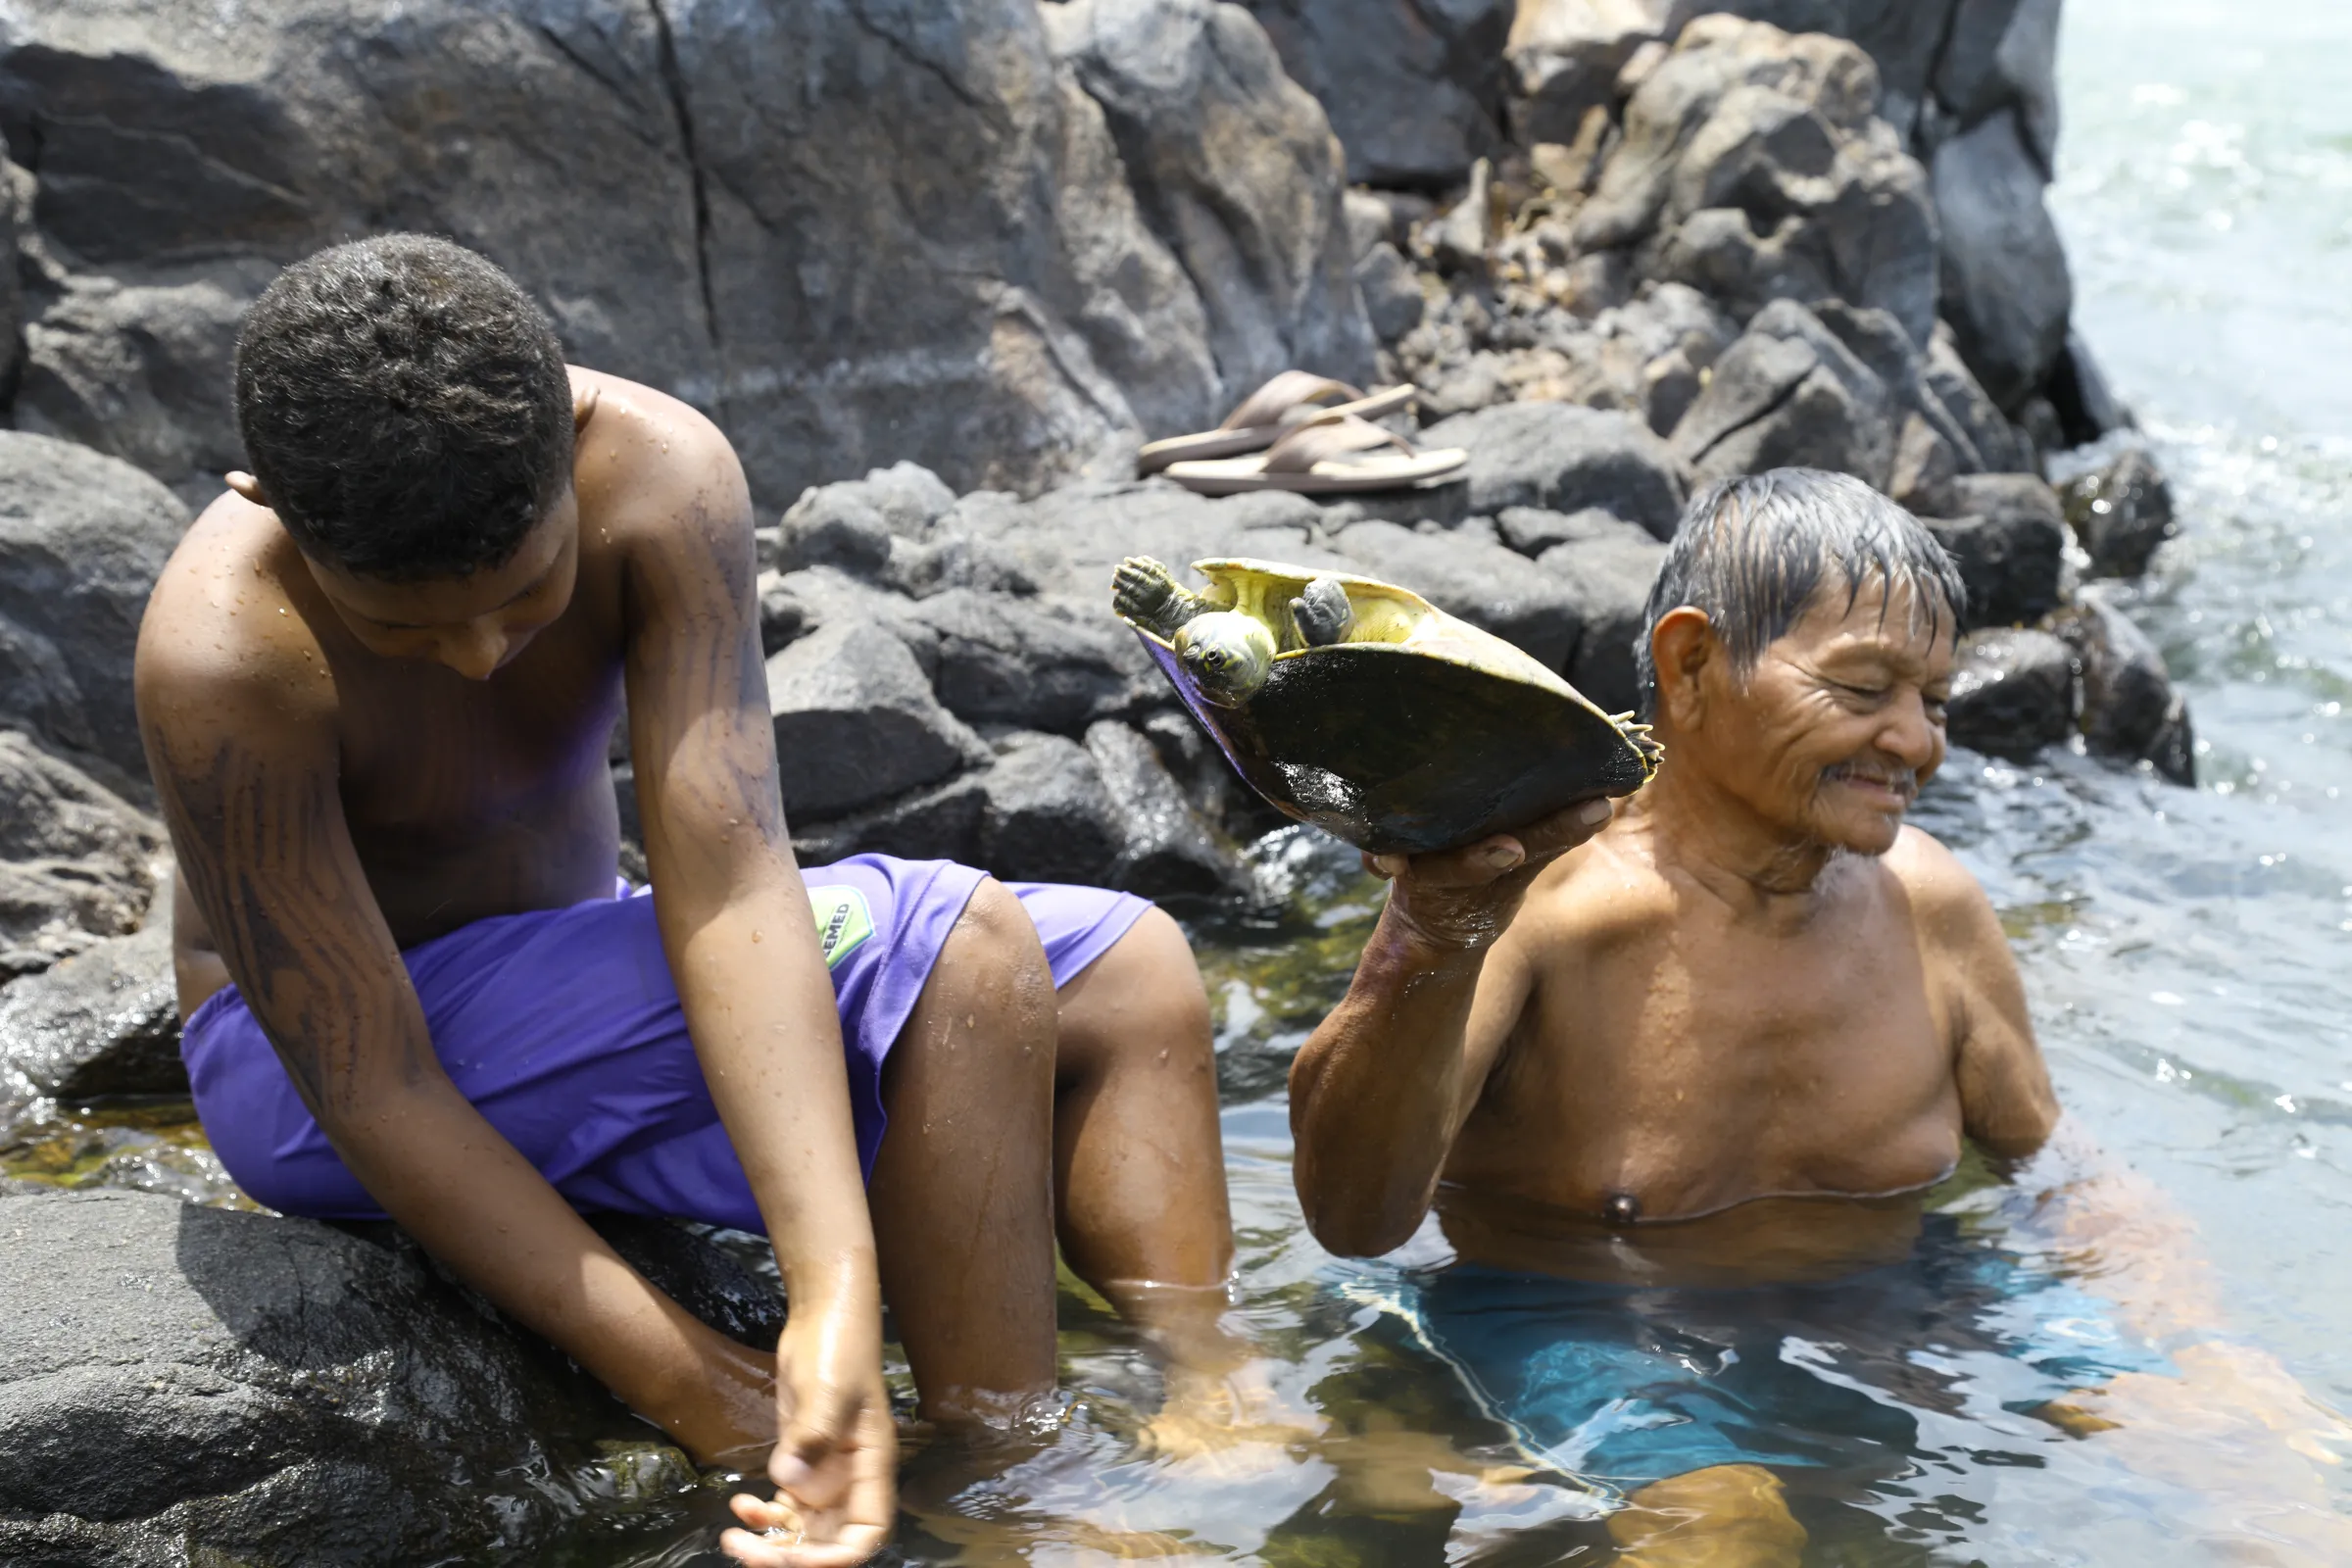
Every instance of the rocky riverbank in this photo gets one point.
(974, 252)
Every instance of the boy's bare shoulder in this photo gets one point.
(222, 633)
(645, 461)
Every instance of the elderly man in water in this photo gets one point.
(1726, 1036)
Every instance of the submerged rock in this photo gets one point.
(2014, 692)
(2121, 513)
(2130, 710)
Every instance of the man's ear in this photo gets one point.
(1680, 647)
(246, 486)
(583, 405)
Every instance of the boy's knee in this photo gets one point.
(995, 947)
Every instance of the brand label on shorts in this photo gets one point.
(843, 923)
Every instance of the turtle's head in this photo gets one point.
(1227, 653)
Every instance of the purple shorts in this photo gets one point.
(562, 1028)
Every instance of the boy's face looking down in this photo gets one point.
(1829, 739)
(475, 625)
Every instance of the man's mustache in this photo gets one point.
(1904, 782)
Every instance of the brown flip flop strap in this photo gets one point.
(1334, 436)
(1284, 392)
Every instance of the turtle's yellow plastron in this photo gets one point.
(1361, 708)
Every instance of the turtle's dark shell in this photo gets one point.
(1400, 753)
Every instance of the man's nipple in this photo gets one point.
(1620, 1210)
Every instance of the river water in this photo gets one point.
(2188, 954)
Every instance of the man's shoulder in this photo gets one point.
(1945, 896)
(1604, 891)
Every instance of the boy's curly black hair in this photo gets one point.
(404, 405)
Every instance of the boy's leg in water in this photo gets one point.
(1138, 1164)
(1724, 1516)
(961, 1192)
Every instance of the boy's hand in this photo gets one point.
(835, 1465)
(1463, 900)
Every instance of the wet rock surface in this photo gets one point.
(2014, 692)
(103, 1022)
(261, 1390)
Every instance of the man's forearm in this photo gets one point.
(1377, 1092)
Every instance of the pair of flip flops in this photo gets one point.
(1304, 443)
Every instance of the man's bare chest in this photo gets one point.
(1690, 1075)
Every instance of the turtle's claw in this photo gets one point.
(1148, 594)
(1322, 614)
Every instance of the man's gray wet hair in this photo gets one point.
(1754, 552)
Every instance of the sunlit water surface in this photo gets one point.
(2189, 954)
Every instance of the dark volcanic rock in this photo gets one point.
(73, 856)
(2009, 547)
(1413, 88)
(2129, 709)
(1791, 394)
(1034, 664)
(1754, 170)
(850, 235)
(2013, 693)
(857, 722)
(1561, 458)
(1170, 850)
(186, 1384)
(105, 1021)
(1048, 818)
(2121, 513)
(2005, 287)
(1608, 574)
(81, 540)
(1235, 168)
(937, 822)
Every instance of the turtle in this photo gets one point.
(1362, 708)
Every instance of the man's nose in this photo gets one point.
(476, 652)
(1911, 737)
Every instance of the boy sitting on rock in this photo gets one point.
(1727, 1039)
(376, 683)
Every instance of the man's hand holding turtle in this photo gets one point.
(1462, 901)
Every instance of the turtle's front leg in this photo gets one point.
(1148, 594)
(1322, 613)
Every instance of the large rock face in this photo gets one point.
(82, 539)
(1236, 168)
(852, 232)
(1754, 168)
(1413, 88)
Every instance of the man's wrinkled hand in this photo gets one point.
(1463, 900)
(835, 1463)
